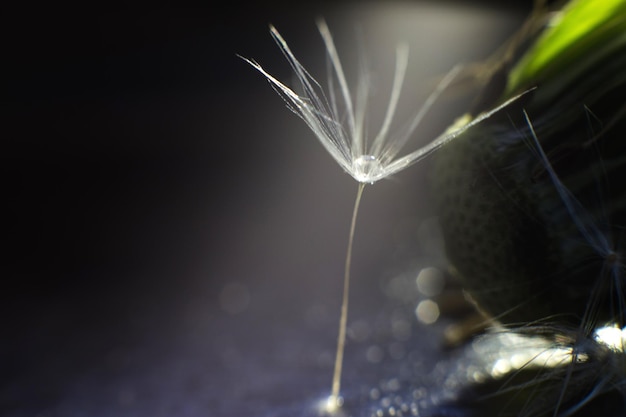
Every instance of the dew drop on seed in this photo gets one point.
(366, 168)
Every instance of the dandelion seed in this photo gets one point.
(338, 121)
(367, 161)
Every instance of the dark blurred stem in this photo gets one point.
(341, 339)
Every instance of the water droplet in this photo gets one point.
(366, 168)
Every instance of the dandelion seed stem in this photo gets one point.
(341, 339)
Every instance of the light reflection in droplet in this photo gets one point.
(366, 168)
(427, 311)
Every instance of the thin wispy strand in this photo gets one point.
(338, 120)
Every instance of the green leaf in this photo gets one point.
(582, 33)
